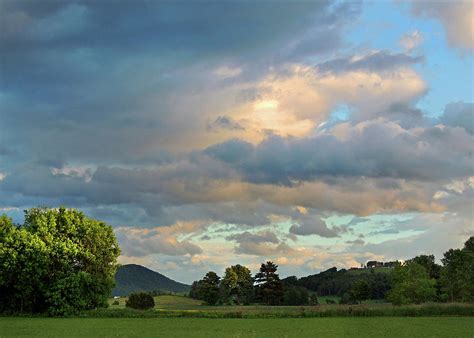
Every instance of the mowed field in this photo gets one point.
(205, 327)
(174, 316)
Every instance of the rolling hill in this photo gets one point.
(133, 278)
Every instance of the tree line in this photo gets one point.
(417, 280)
(239, 287)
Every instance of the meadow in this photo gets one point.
(181, 306)
(180, 316)
(206, 327)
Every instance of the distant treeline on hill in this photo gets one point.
(337, 283)
(417, 280)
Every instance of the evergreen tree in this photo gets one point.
(268, 284)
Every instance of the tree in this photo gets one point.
(457, 275)
(295, 295)
(59, 261)
(411, 284)
(237, 284)
(268, 284)
(313, 299)
(210, 288)
(360, 291)
(428, 262)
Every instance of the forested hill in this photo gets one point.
(338, 282)
(132, 278)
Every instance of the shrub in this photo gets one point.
(313, 300)
(116, 302)
(140, 301)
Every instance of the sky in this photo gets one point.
(313, 134)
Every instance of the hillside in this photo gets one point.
(132, 278)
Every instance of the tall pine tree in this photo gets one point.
(268, 284)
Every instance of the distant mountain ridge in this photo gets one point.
(134, 278)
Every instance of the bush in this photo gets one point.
(116, 302)
(140, 301)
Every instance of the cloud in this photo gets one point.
(410, 41)
(260, 237)
(456, 18)
(459, 114)
(224, 122)
(360, 150)
(374, 62)
(356, 242)
(263, 243)
(141, 242)
(313, 225)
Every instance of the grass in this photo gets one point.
(166, 302)
(259, 311)
(180, 306)
(323, 299)
(205, 327)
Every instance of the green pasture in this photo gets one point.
(206, 327)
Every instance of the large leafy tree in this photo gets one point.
(411, 284)
(268, 284)
(360, 291)
(207, 289)
(428, 262)
(59, 261)
(457, 275)
(237, 284)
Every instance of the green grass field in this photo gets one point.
(204, 327)
(179, 316)
(166, 302)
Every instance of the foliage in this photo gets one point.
(269, 286)
(140, 301)
(334, 282)
(237, 284)
(295, 295)
(457, 275)
(59, 261)
(428, 262)
(313, 299)
(411, 284)
(360, 291)
(207, 289)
